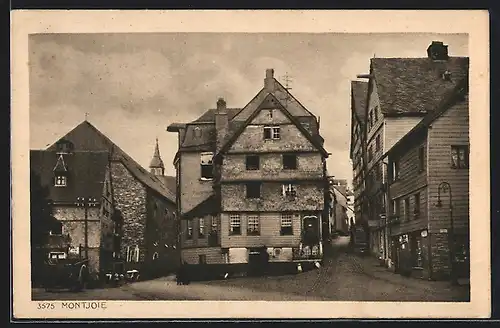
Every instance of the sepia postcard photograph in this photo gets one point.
(250, 164)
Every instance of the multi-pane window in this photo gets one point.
(214, 223)
(416, 209)
(459, 157)
(60, 181)
(286, 224)
(207, 166)
(271, 132)
(234, 224)
(421, 158)
(252, 162)
(289, 190)
(289, 161)
(253, 189)
(189, 229)
(253, 225)
(201, 228)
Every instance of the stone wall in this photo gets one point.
(130, 198)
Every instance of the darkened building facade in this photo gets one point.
(252, 181)
(143, 207)
(429, 192)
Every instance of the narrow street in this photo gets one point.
(343, 277)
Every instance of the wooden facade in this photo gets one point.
(430, 224)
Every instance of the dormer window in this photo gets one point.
(60, 181)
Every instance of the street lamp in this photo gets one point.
(446, 188)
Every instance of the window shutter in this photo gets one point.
(267, 133)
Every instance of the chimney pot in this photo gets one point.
(221, 105)
(437, 51)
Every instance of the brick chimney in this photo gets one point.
(437, 51)
(269, 80)
(221, 123)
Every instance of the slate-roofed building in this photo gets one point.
(72, 179)
(144, 208)
(401, 91)
(251, 181)
(429, 192)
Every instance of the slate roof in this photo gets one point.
(415, 85)
(156, 161)
(86, 172)
(359, 90)
(87, 137)
(209, 115)
(453, 96)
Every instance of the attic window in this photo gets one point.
(271, 132)
(207, 166)
(60, 181)
(197, 132)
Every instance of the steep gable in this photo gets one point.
(271, 102)
(87, 137)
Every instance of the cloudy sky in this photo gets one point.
(134, 85)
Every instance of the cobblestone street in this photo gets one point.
(343, 277)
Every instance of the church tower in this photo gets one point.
(156, 167)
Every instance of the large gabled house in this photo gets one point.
(142, 207)
(401, 91)
(252, 181)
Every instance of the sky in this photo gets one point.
(132, 86)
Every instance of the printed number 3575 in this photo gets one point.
(46, 306)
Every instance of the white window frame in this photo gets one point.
(289, 190)
(286, 221)
(253, 224)
(189, 224)
(201, 228)
(275, 132)
(206, 159)
(234, 221)
(60, 181)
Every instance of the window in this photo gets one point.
(395, 170)
(370, 153)
(202, 259)
(253, 225)
(286, 224)
(289, 161)
(197, 132)
(271, 132)
(377, 143)
(371, 120)
(253, 189)
(407, 209)
(201, 228)
(155, 255)
(459, 157)
(416, 209)
(421, 155)
(396, 207)
(207, 166)
(57, 255)
(189, 229)
(214, 223)
(253, 162)
(289, 191)
(234, 224)
(60, 181)
(133, 253)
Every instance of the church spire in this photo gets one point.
(156, 166)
